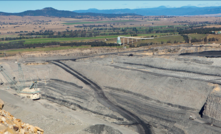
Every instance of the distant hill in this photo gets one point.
(51, 12)
(162, 10)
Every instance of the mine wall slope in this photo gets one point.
(179, 66)
(164, 102)
(183, 92)
(142, 127)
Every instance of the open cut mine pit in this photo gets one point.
(148, 92)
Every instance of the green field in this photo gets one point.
(197, 36)
(177, 38)
(94, 22)
(15, 51)
(8, 35)
(46, 40)
(158, 34)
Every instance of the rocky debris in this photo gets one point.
(10, 125)
(36, 63)
(71, 52)
(1, 104)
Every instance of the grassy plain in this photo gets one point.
(39, 23)
(94, 22)
(197, 36)
(217, 36)
(8, 35)
(173, 38)
(43, 49)
(46, 40)
(15, 51)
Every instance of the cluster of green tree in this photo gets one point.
(203, 23)
(21, 31)
(26, 37)
(199, 30)
(3, 23)
(180, 21)
(102, 44)
(196, 40)
(213, 39)
(91, 26)
(112, 29)
(13, 38)
(162, 42)
(186, 38)
(46, 32)
(205, 39)
(21, 44)
(145, 44)
(166, 31)
(92, 44)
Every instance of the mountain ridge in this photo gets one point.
(162, 10)
(51, 12)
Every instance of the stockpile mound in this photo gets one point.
(10, 125)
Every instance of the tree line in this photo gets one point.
(21, 44)
(199, 30)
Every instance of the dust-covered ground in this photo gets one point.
(175, 90)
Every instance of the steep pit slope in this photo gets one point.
(160, 86)
(167, 95)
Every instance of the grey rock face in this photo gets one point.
(212, 106)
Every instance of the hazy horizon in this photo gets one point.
(20, 6)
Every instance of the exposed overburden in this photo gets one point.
(10, 125)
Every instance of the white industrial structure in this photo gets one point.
(124, 37)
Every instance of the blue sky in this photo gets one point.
(19, 6)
